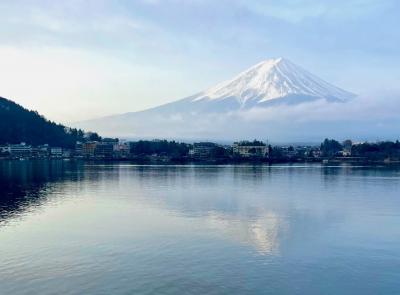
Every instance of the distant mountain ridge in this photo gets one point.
(269, 83)
(18, 124)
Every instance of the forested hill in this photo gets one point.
(18, 124)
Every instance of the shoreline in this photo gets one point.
(254, 162)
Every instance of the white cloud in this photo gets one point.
(299, 10)
(363, 108)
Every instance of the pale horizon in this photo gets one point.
(87, 59)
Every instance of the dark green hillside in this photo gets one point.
(18, 124)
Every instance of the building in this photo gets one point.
(121, 150)
(317, 153)
(20, 150)
(79, 148)
(41, 151)
(202, 150)
(56, 152)
(89, 148)
(347, 145)
(247, 149)
(104, 150)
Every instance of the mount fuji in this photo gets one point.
(271, 82)
(268, 84)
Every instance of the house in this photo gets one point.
(121, 150)
(202, 150)
(104, 149)
(79, 148)
(347, 145)
(20, 150)
(41, 151)
(88, 148)
(248, 149)
(56, 152)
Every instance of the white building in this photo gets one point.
(20, 150)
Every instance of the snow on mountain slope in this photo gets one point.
(275, 82)
(273, 79)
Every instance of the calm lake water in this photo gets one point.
(75, 228)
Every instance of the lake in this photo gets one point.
(78, 228)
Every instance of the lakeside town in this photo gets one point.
(163, 151)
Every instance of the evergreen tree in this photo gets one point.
(18, 124)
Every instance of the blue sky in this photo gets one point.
(76, 59)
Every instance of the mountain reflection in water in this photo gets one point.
(121, 228)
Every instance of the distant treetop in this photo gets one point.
(250, 143)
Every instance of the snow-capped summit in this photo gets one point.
(269, 83)
(273, 79)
